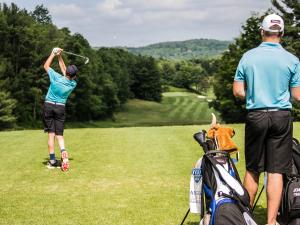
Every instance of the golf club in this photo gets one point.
(265, 184)
(84, 57)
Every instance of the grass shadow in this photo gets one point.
(47, 159)
(192, 223)
(260, 213)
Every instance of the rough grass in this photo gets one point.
(176, 108)
(127, 176)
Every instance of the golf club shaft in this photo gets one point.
(258, 198)
(71, 53)
(187, 213)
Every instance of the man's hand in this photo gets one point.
(239, 89)
(57, 51)
(54, 52)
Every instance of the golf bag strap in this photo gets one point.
(244, 201)
(202, 201)
(235, 170)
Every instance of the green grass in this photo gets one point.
(124, 176)
(176, 108)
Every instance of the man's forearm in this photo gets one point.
(62, 65)
(49, 61)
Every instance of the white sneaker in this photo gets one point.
(65, 161)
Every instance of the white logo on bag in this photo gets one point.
(296, 192)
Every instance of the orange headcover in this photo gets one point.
(223, 135)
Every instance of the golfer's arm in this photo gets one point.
(296, 93)
(239, 89)
(62, 65)
(49, 62)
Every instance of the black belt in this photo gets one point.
(267, 110)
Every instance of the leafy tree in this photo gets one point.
(41, 14)
(7, 105)
(147, 84)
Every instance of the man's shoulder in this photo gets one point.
(251, 52)
(290, 55)
(53, 72)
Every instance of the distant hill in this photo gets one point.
(197, 48)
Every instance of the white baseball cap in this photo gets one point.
(271, 20)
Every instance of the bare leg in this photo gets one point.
(61, 141)
(274, 191)
(51, 137)
(251, 184)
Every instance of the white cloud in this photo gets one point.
(66, 11)
(114, 8)
(160, 4)
(140, 22)
(109, 5)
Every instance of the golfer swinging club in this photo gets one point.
(268, 77)
(61, 86)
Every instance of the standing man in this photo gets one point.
(268, 76)
(61, 86)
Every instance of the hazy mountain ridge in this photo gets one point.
(196, 48)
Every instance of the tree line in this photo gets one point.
(111, 78)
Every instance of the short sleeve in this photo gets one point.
(240, 74)
(295, 81)
(52, 74)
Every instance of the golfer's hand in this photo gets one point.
(57, 51)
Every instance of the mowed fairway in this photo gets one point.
(176, 108)
(118, 176)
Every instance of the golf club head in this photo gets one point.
(200, 137)
(84, 57)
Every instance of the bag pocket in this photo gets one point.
(293, 197)
(228, 213)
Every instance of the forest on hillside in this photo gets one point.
(183, 50)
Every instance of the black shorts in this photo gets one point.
(54, 118)
(268, 141)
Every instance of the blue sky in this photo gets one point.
(142, 22)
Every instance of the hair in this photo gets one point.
(277, 34)
(71, 75)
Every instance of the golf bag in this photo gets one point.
(289, 212)
(216, 189)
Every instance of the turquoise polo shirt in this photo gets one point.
(269, 72)
(60, 87)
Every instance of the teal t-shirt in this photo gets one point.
(60, 87)
(269, 72)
